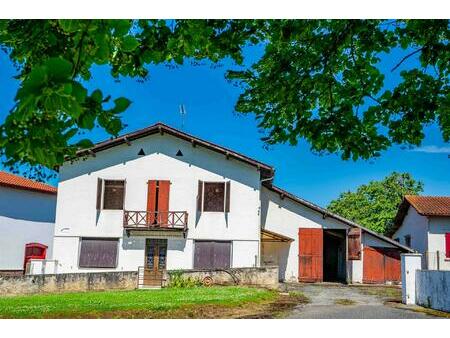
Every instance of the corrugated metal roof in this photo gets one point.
(19, 182)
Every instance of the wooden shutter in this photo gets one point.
(151, 201)
(99, 193)
(200, 196)
(447, 245)
(212, 255)
(163, 202)
(98, 253)
(354, 244)
(310, 255)
(227, 196)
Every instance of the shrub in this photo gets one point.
(178, 281)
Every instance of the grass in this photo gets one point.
(164, 303)
(299, 297)
(344, 301)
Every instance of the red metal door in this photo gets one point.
(310, 258)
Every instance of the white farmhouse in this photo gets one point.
(159, 198)
(423, 223)
(27, 216)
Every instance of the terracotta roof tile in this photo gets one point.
(430, 205)
(19, 182)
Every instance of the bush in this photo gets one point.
(178, 281)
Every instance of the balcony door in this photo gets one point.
(158, 202)
(155, 254)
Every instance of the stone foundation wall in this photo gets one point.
(70, 282)
(264, 277)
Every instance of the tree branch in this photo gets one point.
(406, 57)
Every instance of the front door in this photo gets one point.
(155, 262)
(155, 254)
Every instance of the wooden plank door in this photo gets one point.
(392, 265)
(155, 254)
(310, 258)
(373, 266)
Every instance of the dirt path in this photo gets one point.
(341, 301)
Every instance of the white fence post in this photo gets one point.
(410, 263)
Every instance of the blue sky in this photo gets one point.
(209, 101)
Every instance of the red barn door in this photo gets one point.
(381, 265)
(310, 258)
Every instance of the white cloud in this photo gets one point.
(432, 149)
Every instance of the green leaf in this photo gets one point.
(58, 68)
(69, 26)
(129, 43)
(97, 96)
(84, 143)
(121, 104)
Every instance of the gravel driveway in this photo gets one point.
(325, 298)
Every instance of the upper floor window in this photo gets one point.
(213, 196)
(408, 240)
(111, 193)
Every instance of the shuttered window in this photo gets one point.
(212, 255)
(98, 253)
(354, 244)
(214, 195)
(113, 195)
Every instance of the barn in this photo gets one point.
(311, 244)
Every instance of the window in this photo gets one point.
(213, 196)
(98, 253)
(447, 245)
(408, 240)
(113, 194)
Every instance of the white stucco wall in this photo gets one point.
(25, 217)
(416, 226)
(77, 216)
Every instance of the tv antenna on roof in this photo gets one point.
(182, 115)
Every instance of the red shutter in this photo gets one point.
(310, 255)
(151, 201)
(447, 245)
(354, 244)
(163, 202)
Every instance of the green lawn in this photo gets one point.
(130, 304)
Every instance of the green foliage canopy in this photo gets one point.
(317, 80)
(374, 205)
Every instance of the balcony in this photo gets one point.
(159, 221)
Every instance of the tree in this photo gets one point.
(374, 205)
(317, 80)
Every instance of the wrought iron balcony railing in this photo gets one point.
(155, 220)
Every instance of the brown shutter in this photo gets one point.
(98, 253)
(354, 244)
(200, 196)
(114, 193)
(227, 196)
(99, 193)
(151, 201)
(163, 202)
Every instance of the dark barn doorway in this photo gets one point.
(334, 259)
